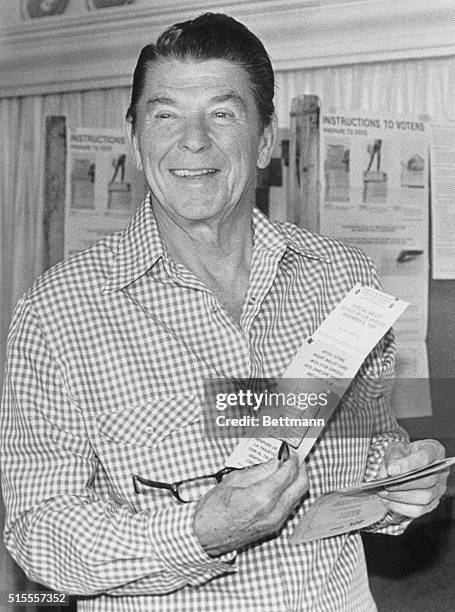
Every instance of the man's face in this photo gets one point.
(198, 138)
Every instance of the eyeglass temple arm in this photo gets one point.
(156, 484)
(227, 470)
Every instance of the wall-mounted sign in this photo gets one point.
(374, 186)
(99, 4)
(103, 186)
(31, 9)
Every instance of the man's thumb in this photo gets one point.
(394, 452)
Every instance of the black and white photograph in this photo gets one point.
(227, 340)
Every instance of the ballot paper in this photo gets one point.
(356, 507)
(328, 361)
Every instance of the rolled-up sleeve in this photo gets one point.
(57, 528)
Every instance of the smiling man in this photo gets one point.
(103, 443)
(197, 133)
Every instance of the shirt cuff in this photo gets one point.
(173, 538)
(391, 524)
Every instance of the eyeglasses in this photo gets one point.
(185, 491)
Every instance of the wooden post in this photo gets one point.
(308, 211)
(54, 189)
(292, 187)
(304, 163)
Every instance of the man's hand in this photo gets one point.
(249, 505)
(417, 497)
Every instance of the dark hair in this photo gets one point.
(211, 36)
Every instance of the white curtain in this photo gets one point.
(22, 125)
(420, 87)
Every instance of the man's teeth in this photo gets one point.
(194, 172)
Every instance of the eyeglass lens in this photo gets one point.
(195, 489)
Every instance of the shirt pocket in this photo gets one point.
(147, 423)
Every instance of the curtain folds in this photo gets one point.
(420, 87)
(417, 87)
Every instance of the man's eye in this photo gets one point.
(223, 115)
(164, 115)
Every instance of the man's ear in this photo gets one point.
(134, 146)
(267, 143)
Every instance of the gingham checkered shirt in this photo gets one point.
(107, 355)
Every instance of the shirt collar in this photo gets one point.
(269, 235)
(140, 245)
(138, 249)
(266, 235)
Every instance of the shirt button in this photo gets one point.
(251, 301)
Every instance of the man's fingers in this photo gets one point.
(281, 478)
(394, 452)
(421, 483)
(402, 457)
(289, 498)
(298, 488)
(414, 455)
(251, 475)
(435, 449)
(282, 490)
(419, 497)
(268, 481)
(401, 465)
(413, 503)
(411, 510)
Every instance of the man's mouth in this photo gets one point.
(197, 172)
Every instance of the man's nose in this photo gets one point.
(195, 136)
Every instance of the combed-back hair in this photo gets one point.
(211, 36)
